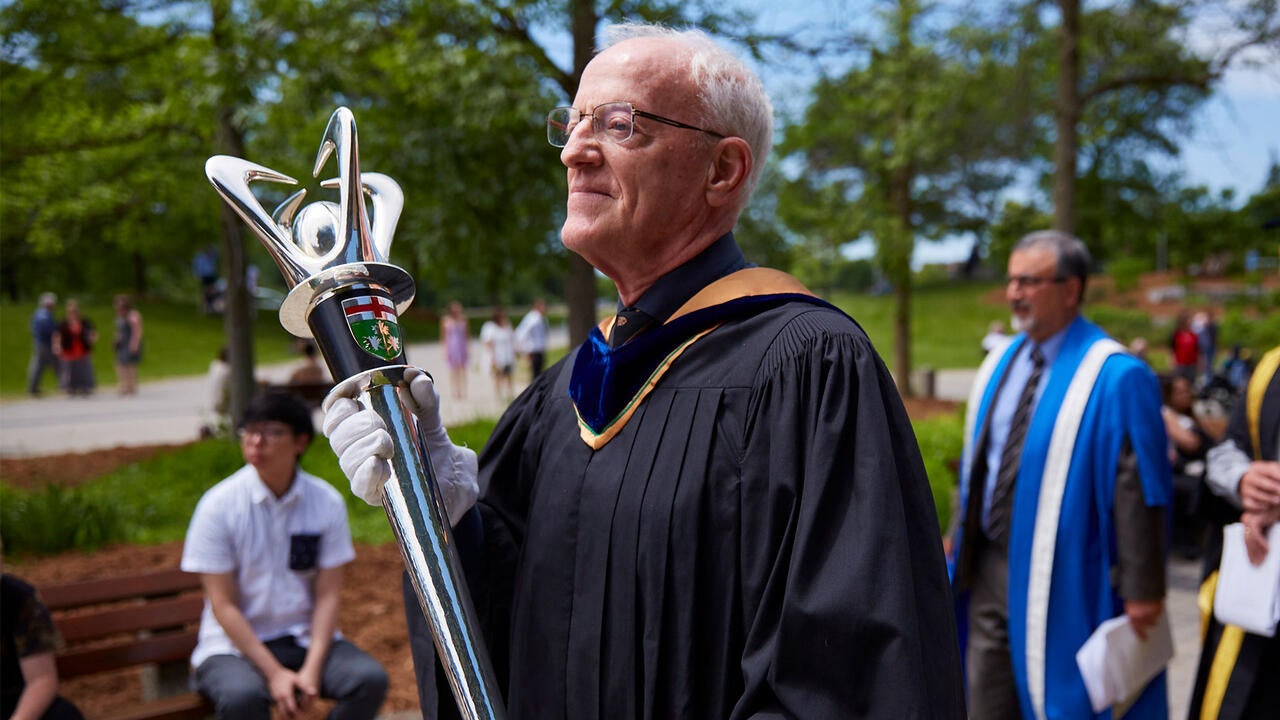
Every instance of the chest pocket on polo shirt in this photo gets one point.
(303, 552)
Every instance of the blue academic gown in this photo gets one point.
(1125, 402)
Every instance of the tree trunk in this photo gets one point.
(900, 198)
(580, 278)
(237, 311)
(1067, 118)
(900, 180)
(139, 263)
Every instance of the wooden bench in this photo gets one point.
(147, 620)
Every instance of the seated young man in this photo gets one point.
(269, 543)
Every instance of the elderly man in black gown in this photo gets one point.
(715, 507)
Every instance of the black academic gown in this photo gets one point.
(1253, 687)
(758, 541)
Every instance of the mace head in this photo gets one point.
(324, 242)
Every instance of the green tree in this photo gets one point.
(93, 137)
(1127, 73)
(457, 119)
(905, 145)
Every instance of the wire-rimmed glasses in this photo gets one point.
(614, 122)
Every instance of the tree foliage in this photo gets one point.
(906, 145)
(112, 106)
(89, 160)
(1127, 79)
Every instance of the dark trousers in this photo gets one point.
(536, 359)
(42, 358)
(238, 690)
(993, 692)
(60, 709)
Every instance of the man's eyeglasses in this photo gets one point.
(264, 432)
(614, 122)
(1027, 282)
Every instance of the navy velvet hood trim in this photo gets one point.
(605, 380)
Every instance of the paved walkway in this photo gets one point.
(173, 411)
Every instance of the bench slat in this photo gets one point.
(187, 706)
(93, 592)
(162, 648)
(169, 612)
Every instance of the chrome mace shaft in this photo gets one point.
(347, 296)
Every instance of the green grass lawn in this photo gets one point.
(177, 340)
(151, 501)
(947, 322)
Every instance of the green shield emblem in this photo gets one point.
(374, 325)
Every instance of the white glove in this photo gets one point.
(362, 443)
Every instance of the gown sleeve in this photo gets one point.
(848, 609)
(495, 528)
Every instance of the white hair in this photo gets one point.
(733, 99)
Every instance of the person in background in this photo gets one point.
(1184, 348)
(205, 267)
(715, 507)
(269, 543)
(43, 357)
(456, 338)
(1238, 677)
(531, 336)
(73, 344)
(128, 344)
(1188, 444)
(1095, 521)
(1237, 368)
(1138, 348)
(310, 372)
(28, 639)
(499, 342)
(994, 338)
(220, 386)
(1205, 327)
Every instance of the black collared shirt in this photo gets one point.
(675, 288)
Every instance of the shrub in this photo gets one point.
(56, 519)
(1126, 271)
(1121, 324)
(941, 440)
(1259, 334)
(151, 501)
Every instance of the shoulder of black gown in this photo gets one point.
(505, 472)
(849, 548)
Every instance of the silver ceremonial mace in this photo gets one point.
(347, 296)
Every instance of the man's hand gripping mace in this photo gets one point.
(347, 296)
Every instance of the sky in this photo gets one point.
(1236, 132)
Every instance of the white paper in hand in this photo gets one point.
(1248, 595)
(1116, 665)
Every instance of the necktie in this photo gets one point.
(628, 323)
(1011, 456)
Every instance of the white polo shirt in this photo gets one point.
(240, 527)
